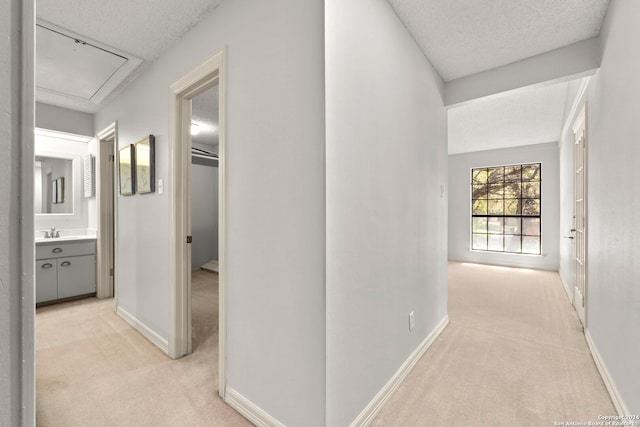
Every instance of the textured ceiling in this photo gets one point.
(522, 117)
(464, 37)
(142, 28)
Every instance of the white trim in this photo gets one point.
(144, 330)
(62, 135)
(210, 72)
(506, 264)
(103, 250)
(222, 224)
(250, 410)
(578, 102)
(616, 398)
(373, 408)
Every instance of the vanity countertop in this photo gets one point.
(63, 239)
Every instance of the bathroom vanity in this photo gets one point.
(65, 268)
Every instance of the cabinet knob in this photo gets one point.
(47, 265)
(65, 264)
(56, 250)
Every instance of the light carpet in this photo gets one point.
(514, 354)
(93, 369)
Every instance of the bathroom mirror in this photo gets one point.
(53, 177)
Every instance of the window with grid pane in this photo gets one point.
(505, 209)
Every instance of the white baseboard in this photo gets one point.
(373, 408)
(146, 332)
(249, 409)
(507, 263)
(618, 402)
(566, 287)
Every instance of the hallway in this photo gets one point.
(513, 354)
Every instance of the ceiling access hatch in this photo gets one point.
(75, 72)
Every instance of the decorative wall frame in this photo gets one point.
(60, 190)
(127, 170)
(145, 165)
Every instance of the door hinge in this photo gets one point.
(112, 158)
(111, 272)
(189, 239)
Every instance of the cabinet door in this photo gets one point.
(76, 276)
(46, 280)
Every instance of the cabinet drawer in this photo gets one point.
(65, 250)
(76, 276)
(46, 280)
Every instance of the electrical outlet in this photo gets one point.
(412, 322)
(160, 186)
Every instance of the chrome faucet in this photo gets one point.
(54, 233)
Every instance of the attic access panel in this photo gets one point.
(73, 67)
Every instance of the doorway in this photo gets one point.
(204, 222)
(206, 76)
(106, 207)
(580, 215)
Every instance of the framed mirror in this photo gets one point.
(50, 192)
(58, 180)
(126, 170)
(145, 165)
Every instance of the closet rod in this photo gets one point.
(203, 153)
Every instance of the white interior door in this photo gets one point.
(105, 195)
(580, 216)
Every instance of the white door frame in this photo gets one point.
(203, 77)
(106, 250)
(579, 229)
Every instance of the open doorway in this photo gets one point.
(183, 95)
(204, 222)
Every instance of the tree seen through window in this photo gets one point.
(506, 208)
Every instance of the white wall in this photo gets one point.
(17, 380)
(460, 166)
(386, 222)
(275, 210)
(63, 119)
(613, 294)
(10, 267)
(204, 214)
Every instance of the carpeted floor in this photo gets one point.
(93, 369)
(513, 355)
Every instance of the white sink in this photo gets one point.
(63, 238)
